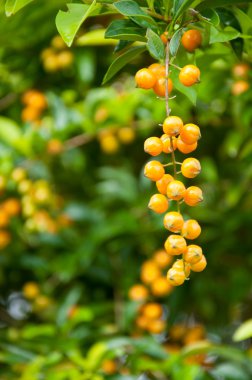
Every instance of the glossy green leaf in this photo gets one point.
(33, 331)
(244, 331)
(125, 30)
(11, 134)
(175, 42)
(219, 3)
(132, 10)
(155, 45)
(95, 38)
(122, 60)
(209, 15)
(69, 22)
(225, 35)
(13, 6)
(179, 6)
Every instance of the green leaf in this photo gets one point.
(12, 135)
(219, 3)
(125, 30)
(179, 6)
(121, 61)
(243, 332)
(33, 331)
(189, 92)
(155, 45)
(132, 10)
(175, 42)
(13, 6)
(95, 38)
(209, 15)
(68, 23)
(225, 35)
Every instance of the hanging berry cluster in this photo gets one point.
(184, 137)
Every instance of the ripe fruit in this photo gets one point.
(4, 218)
(189, 75)
(126, 135)
(158, 70)
(138, 292)
(193, 254)
(240, 70)
(191, 39)
(239, 87)
(193, 196)
(161, 287)
(175, 245)
(65, 59)
(145, 79)
(54, 146)
(172, 125)
(109, 367)
(190, 134)
(162, 259)
(31, 290)
(153, 146)
(173, 221)
(160, 87)
(149, 272)
(158, 203)
(30, 114)
(164, 37)
(142, 322)
(12, 206)
(154, 170)
(200, 265)
(109, 144)
(18, 174)
(176, 277)
(163, 182)
(175, 190)
(191, 229)
(152, 310)
(156, 326)
(167, 146)
(183, 266)
(190, 167)
(185, 148)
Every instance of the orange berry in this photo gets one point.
(153, 146)
(164, 37)
(163, 182)
(65, 59)
(190, 134)
(240, 70)
(126, 135)
(161, 287)
(190, 167)
(175, 245)
(160, 87)
(239, 87)
(30, 114)
(109, 367)
(152, 310)
(173, 221)
(185, 148)
(12, 206)
(193, 254)
(191, 39)
(31, 290)
(5, 238)
(158, 203)
(172, 125)
(200, 265)
(189, 75)
(142, 322)
(156, 326)
(175, 190)
(167, 146)
(194, 334)
(191, 229)
(149, 272)
(183, 266)
(193, 196)
(34, 99)
(154, 170)
(4, 218)
(138, 292)
(162, 259)
(176, 277)
(158, 70)
(54, 146)
(145, 79)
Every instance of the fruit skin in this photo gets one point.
(173, 221)
(175, 190)
(160, 87)
(109, 367)
(191, 39)
(190, 167)
(172, 125)
(145, 79)
(185, 148)
(200, 265)
(162, 259)
(12, 206)
(175, 245)
(164, 37)
(158, 203)
(240, 70)
(239, 87)
(163, 182)
(193, 254)
(153, 146)
(189, 75)
(126, 135)
(5, 238)
(109, 144)
(166, 140)
(183, 266)
(161, 287)
(191, 229)
(152, 310)
(158, 70)
(156, 326)
(190, 134)
(154, 170)
(149, 272)
(193, 196)
(138, 292)
(175, 277)
(31, 290)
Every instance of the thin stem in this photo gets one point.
(176, 66)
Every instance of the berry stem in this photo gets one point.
(176, 66)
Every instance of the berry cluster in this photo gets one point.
(184, 137)
(57, 57)
(35, 103)
(241, 75)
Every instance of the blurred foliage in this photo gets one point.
(74, 225)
